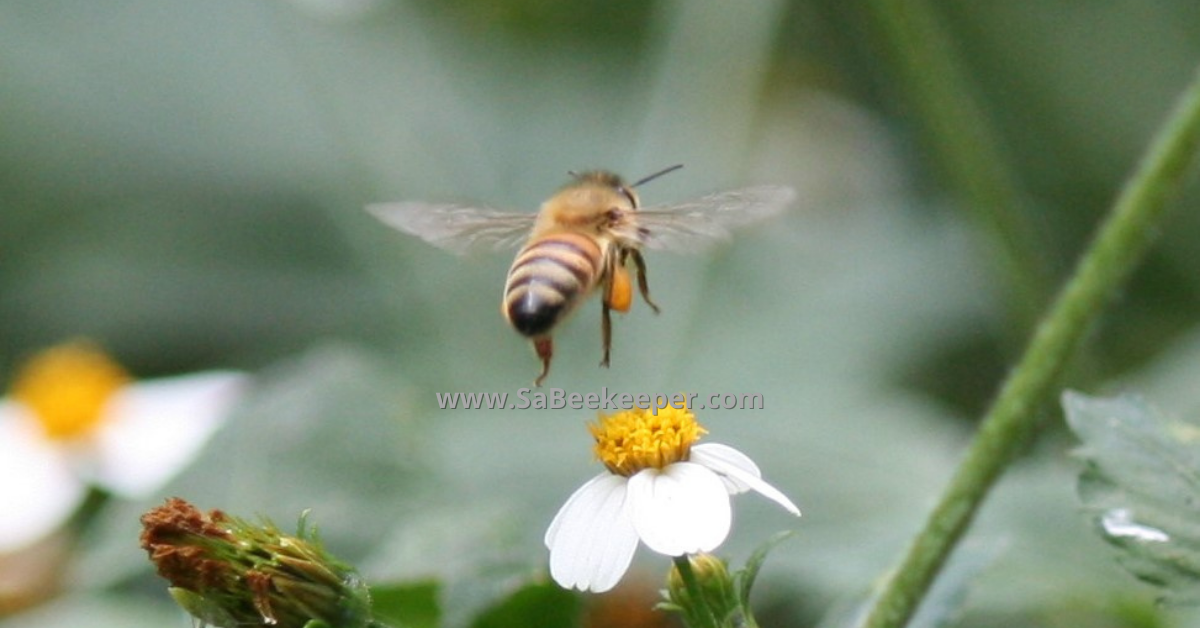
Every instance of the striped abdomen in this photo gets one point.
(548, 279)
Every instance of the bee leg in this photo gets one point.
(605, 331)
(611, 285)
(643, 287)
(545, 349)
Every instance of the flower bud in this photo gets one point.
(227, 572)
(714, 586)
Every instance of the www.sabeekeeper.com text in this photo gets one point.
(559, 399)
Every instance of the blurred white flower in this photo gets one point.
(658, 488)
(74, 418)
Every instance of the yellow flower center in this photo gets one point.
(67, 386)
(632, 440)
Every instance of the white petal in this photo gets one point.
(740, 471)
(725, 456)
(156, 427)
(38, 491)
(681, 509)
(592, 539)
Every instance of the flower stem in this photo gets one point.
(748, 620)
(961, 139)
(702, 616)
(85, 515)
(1116, 249)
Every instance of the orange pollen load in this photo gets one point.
(66, 387)
(620, 293)
(632, 440)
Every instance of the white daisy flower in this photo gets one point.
(659, 488)
(74, 418)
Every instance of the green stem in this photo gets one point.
(748, 620)
(94, 503)
(702, 616)
(1117, 248)
(961, 139)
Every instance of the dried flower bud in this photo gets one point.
(227, 572)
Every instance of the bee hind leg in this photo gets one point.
(545, 350)
(643, 287)
(605, 331)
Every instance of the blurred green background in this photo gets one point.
(184, 182)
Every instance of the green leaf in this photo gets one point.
(412, 605)
(543, 605)
(204, 610)
(747, 574)
(1141, 488)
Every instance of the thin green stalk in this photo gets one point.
(1117, 248)
(961, 139)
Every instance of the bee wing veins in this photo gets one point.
(691, 226)
(456, 228)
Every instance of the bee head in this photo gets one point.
(598, 177)
(607, 180)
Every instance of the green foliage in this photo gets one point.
(184, 183)
(1141, 488)
(749, 573)
(408, 605)
(947, 601)
(536, 605)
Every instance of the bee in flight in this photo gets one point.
(582, 240)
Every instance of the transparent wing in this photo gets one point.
(456, 228)
(692, 225)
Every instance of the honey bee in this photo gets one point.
(582, 240)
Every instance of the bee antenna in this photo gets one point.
(657, 175)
